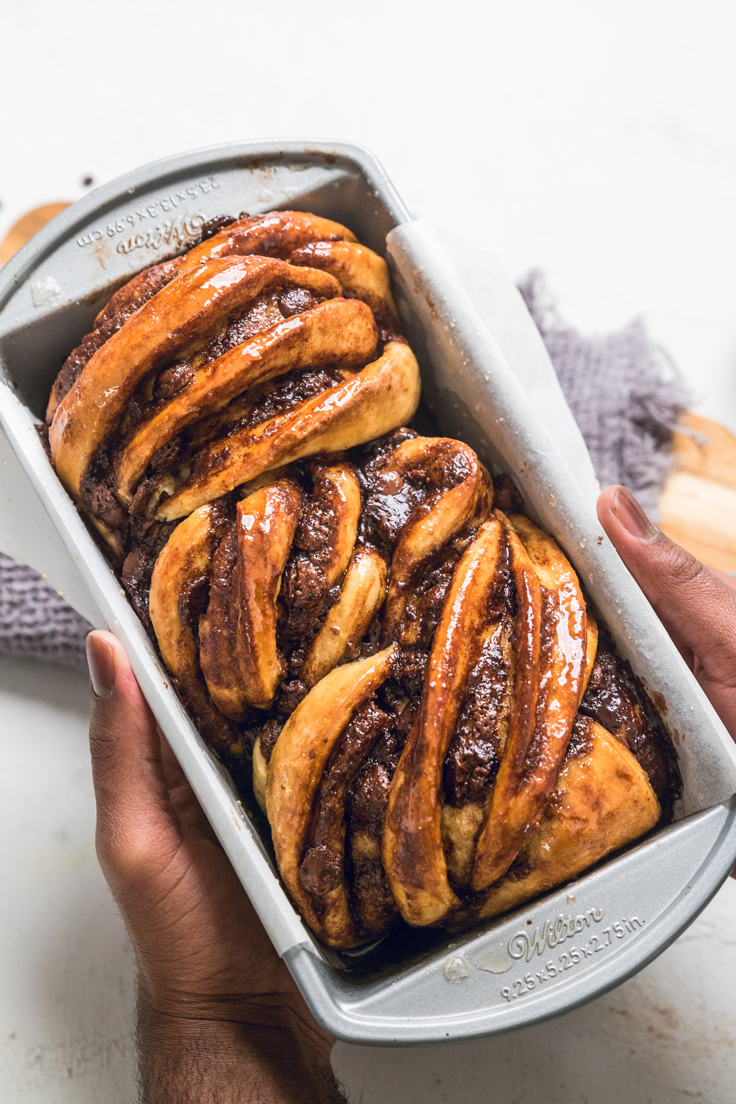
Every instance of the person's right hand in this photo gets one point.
(697, 605)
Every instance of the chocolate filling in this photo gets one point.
(343, 845)
(616, 699)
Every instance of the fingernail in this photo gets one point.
(101, 663)
(632, 517)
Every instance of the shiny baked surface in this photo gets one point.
(352, 612)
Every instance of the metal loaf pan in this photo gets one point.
(415, 987)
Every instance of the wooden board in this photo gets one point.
(26, 227)
(698, 504)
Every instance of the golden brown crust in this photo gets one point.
(182, 567)
(336, 332)
(591, 646)
(436, 779)
(336, 490)
(384, 395)
(413, 853)
(361, 272)
(537, 741)
(168, 321)
(178, 317)
(460, 495)
(602, 801)
(361, 597)
(276, 234)
(238, 646)
(122, 305)
(295, 771)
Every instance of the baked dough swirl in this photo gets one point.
(353, 609)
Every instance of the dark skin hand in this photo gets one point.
(220, 1019)
(696, 605)
(219, 1016)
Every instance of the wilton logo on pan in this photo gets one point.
(172, 232)
(148, 211)
(550, 934)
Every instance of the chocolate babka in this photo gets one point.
(437, 729)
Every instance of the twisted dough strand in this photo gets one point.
(413, 852)
(295, 771)
(178, 317)
(460, 493)
(361, 597)
(361, 273)
(385, 394)
(537, 741)
(602, 800)
(337, 332)
(276, 234)
(185, 563)
(238, 633)
(436, 778)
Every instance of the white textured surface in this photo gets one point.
(596, 143)
(66, 994)
(66, 998)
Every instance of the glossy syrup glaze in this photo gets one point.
(352, 611)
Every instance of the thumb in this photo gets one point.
(696, 605)
(134, 812)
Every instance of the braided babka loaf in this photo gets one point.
(436, 730)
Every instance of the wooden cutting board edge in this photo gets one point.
(698, 503)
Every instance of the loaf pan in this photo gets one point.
(477, 351)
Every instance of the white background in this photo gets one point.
(594, 141)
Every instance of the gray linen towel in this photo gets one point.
(616, 387)
(34, 621)
(619, 393)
